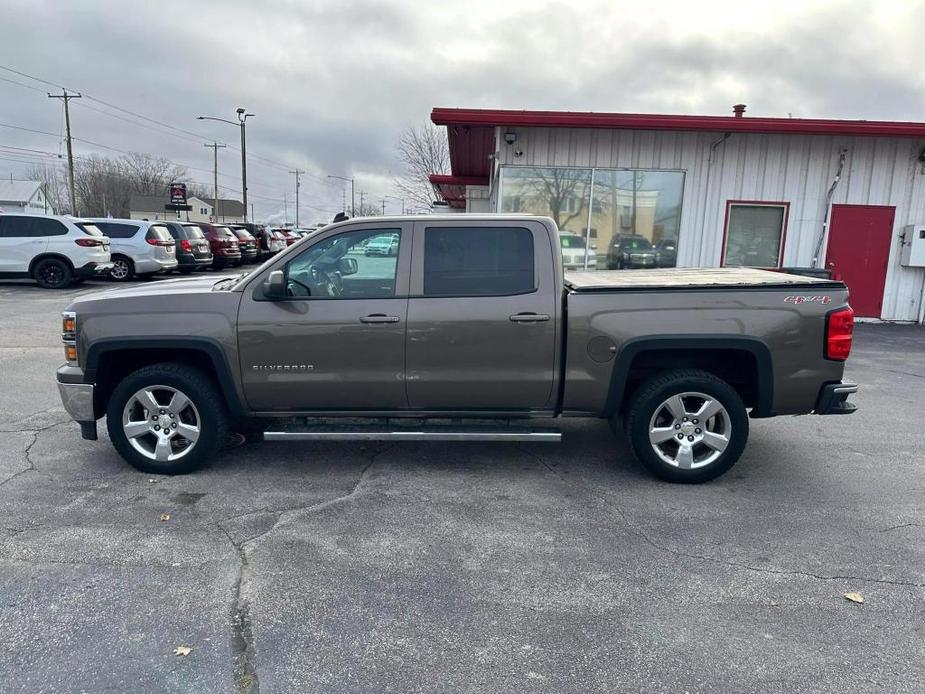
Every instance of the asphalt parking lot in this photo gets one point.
(463, 567)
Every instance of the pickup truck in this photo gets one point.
(469, 331)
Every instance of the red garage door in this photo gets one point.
(858, 252)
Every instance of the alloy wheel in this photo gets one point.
(161, 423)
(52, 274)
(119, 270)
(690, 430)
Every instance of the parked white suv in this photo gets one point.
(54, 251)
(138, 247)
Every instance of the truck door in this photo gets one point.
(337, 340)
(482, 317)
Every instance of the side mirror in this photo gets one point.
(347, 266)
(274, 286)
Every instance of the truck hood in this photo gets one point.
(155, 288)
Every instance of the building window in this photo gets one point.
(628, 208)
(755, 234)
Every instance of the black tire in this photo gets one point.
(53, 273)
(123, 268)
(647, 403)
(202, 393)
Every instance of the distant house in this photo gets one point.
(152, 207)
(24, 196)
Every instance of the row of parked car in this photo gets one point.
(56, 251)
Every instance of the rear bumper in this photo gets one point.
(92, 270)
(188, 260)
(833, 398)
(150, 265)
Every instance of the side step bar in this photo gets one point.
(410, 433)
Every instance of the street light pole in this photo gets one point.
(353, 199)
(242, 117)
(298, 174)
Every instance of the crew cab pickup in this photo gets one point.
(469, 331)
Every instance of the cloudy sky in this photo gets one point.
(333, 82)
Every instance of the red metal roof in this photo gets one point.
(642, 121)
(471, 131)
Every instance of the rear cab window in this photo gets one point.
(478, 261)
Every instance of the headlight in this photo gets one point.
(69, 336)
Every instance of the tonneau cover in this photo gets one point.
(688, 277)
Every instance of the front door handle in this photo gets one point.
(379, 318)
(529, 317)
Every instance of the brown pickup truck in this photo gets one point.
(453, 328)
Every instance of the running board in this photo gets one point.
(346, 433)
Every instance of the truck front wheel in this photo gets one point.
(687, 425)
(167, 419)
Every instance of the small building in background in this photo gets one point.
(846, 196)
(152, 207)
(24, 196)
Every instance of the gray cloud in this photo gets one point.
(332, 83)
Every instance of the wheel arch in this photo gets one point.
(726, 356)
(110, 360)
(49, 256)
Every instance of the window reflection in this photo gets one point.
(626, 218)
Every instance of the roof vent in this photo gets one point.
(739, 110)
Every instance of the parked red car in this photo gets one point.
(290, 236)
(224, 244)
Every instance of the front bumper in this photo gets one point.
(833, 398)
(77, 399)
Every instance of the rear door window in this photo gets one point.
(193, 232)
(478, 261)
(90, 229)
(117, 231)
(160, 233)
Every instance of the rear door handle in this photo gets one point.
(529, 317)
(379, 318)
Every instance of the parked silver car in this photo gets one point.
(138, 247)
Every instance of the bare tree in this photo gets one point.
(367, 209)
(150, 175)
(422, 151)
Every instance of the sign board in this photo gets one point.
(177, 193)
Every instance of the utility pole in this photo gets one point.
(353, 198)
(285, 209)
(215, 147)
(383, 207)
(297, 174)
(243, 115)
(253, 218)
(70, 156)
(362, 195)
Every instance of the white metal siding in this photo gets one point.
(777, 168)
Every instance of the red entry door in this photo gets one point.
(858, 253)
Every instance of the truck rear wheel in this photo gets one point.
(167, 419)
(687, 425)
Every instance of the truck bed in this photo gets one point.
(689, 277)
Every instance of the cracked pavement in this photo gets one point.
(342, 567)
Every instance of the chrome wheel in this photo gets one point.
(690, 430)
(119, 270)
(161, 423)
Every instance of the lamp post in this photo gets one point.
(353, 199)
(242, 117)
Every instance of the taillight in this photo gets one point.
(87, 243)
(160, 242)
(839, 327)
(186, 245)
